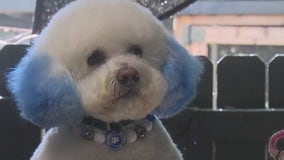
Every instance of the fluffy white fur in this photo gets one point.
(106, 106)
(111, 26)
(127, 24)
(63, 144)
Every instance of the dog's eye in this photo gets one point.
(97, 57)
(136, 50)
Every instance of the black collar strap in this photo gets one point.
(102, 125)
(115, 135)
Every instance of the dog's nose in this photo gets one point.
(127, 75)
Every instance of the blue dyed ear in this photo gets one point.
(45, 97)
(181, 71)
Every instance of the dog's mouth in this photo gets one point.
(126, 93)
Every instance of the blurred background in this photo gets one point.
(239, 104)
(218, 28)
(16, 21)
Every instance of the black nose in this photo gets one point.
(127, 76)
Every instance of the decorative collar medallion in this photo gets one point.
(115, 135)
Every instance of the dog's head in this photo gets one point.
(109, 59)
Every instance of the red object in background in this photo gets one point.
(276, 145)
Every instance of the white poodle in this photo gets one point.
(98, 77)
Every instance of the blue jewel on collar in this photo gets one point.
(115, 139)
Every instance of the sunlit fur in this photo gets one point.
(107, 103)
(54, 86)
(113, 36)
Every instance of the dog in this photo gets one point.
(99, 77)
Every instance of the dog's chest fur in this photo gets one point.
(62, 144)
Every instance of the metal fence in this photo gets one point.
(249, 108)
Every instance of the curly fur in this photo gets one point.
(55, 87)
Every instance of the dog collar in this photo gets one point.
(114, 135)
